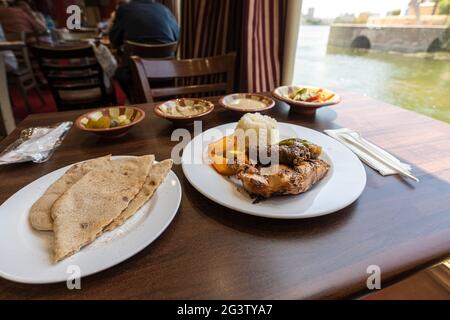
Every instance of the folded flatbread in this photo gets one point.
(81, 214)
(155, 177)
(40, 212)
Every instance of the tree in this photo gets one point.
(444, 7)
(394, 12)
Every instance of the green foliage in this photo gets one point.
(444, 7)
(313, 21)
(394, 12)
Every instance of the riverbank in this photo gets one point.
(418, 81)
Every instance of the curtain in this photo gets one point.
(209, 28)
(263, 44)
(254, 29)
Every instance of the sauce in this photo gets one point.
(184, 111)
(246, 104)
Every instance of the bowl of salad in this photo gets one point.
(306, 98)
(110, 122)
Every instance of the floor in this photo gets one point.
(19, 108)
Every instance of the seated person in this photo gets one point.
(143, 21)
(20, 18)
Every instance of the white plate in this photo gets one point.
(342, 185)
(25, 254)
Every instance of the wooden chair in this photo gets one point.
(75, 77)
(151, 51)
(24, 76)
(194, 77)
(148, 51)
(3, 132)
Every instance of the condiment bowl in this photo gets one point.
(137, 115)
(282, 93)
(247, 102)
(169, 110)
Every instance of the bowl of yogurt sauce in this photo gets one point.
(246, 102)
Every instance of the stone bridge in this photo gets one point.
(407, 39)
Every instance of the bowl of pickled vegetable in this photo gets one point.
(306, 98)
(110, 122)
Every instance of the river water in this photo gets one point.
(416, 82)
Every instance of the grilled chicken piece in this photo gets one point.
(281, 179)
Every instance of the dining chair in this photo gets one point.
(151, 51)
(75, 77)
(23, 76)
(3, 132)
(148, 51)
(193, 77)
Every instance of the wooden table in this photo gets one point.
(212, 252)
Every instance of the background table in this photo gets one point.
(212, 252)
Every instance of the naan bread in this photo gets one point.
(155, 177)
(94, 201)
(40, 212)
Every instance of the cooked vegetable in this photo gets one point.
(313, 149)
(97, 120)
(311, 95)
(225, 159)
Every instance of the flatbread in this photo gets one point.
(94, 201)
(155, 177)
(40, 212)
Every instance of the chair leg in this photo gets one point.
(25, 97)
(39, 92)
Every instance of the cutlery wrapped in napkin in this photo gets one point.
(372, 155)
(35, 144)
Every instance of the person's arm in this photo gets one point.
(40, 18)
(116, 33)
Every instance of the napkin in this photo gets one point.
(366, 156)
(35, 144)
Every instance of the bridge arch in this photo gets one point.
(361, 42)
(435, 45)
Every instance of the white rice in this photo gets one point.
(264, 128)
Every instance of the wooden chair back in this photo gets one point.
(151, 51)
(74, 75)
(3, 132)
(193, 77)
(22, 55)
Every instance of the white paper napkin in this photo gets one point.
(365, 156)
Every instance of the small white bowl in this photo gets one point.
(228, 102)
